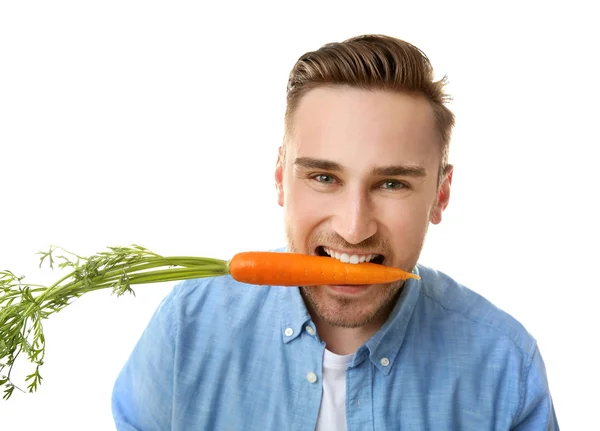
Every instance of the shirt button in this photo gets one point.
(310, 330)
(311, 377)
(289, 332)
(385, 362)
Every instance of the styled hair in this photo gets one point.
(372, 62)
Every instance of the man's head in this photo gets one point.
(364, 164)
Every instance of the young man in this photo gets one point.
(362, 172)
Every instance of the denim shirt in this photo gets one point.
(222, 355)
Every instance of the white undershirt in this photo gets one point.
(332, 414)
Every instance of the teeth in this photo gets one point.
(346, 258)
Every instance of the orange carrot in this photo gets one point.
(292, 269)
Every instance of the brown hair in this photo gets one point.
(372, 62)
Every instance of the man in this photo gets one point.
(362, 172)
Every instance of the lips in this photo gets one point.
(349, 289)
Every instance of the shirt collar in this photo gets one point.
(294, 313)
(383, 347)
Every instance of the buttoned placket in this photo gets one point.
(307, 351)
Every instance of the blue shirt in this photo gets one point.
(222, 355)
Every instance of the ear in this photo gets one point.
(443, 197)
(279, 175)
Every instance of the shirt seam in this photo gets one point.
(528, 356)
(523, 386)
(521, 349)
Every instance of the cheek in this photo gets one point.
(406, 214)
(305, 202)
(299, 202)
(405, 225)
(303, 212)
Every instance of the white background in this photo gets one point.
(157, 123)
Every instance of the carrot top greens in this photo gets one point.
(24, 306)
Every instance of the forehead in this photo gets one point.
(365, 128)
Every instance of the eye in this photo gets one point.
(393, 185)
(324, 178)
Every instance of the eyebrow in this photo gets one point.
(383, 171)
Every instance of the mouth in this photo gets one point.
(350, 257)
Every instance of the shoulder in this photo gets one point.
(444, 293)
(222, 290)
(218, 298)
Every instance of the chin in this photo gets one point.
(350, 309)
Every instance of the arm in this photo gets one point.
(142, 396)
(536, 412)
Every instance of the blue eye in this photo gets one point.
(393, 185)
(324, 178)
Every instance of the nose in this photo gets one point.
(354, 219)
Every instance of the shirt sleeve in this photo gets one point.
(537, 409)
(142, 397)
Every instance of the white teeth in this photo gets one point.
(346, 258)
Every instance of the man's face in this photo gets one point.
(359, 176)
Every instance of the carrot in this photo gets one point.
(291, 269)
(23, 306)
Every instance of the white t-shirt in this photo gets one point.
(332, 414)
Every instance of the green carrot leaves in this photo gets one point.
(23, 307)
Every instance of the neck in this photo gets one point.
(343, 341)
